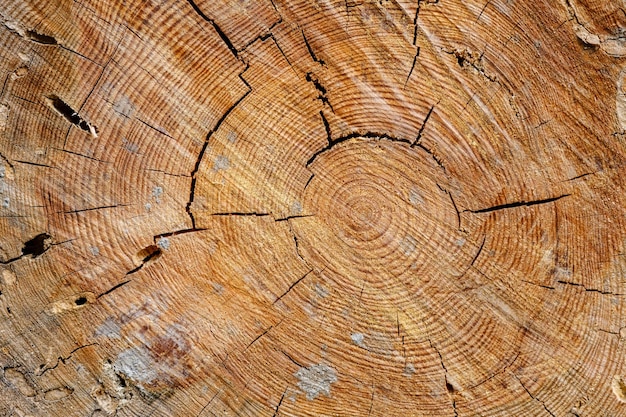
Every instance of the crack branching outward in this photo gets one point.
(533, 397)
(369, 135)
(62, 359)
(205, 145)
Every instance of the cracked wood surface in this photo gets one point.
(305, 208)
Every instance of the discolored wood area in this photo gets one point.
(312, 208)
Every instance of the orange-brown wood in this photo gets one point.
(312, 208)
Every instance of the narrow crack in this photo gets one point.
(258, 337)
(219, 31)
(115, 287)
(533, 397)
(205, 145)
(415, 21)
(94, 208)
(292, 286)
(456, 209)
(311, 53)
(279, 404)
(241, 214)
(418, 138)
(575, 284)
(417, 54)
(62, 359)
(369, 135)
(449, 386)
(517, 204)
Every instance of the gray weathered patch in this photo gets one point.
(110, 329)
(124, 107)
(164, 243)
(316, 380)
(408, 245)
(135, 364)
(415, 197)
(221, 162)
(358, 339)
(157, 192)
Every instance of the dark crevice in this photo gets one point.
(234, 213)
(466, 59)
(94, 208)
(35, 164)
(71, 115)
(575, 284)
(480, 249)
(329, 134)
(456, 209)
(148, 254)
(432, 154)
(219, 31)
(518, 204)
(417, 53)
(321, 89)
(115, 287)
(155, 128)
(177, 232)
(547, 287)
(501, 371)
(368, 135)
(41, 38)
(533, 397)
(292, 286)
(279, 403)
(291, 359)
(81, 155)
(42, 369)
(259, 336)
(483, 10)
(296, 216)
(415, 27)
(266, 35)
(449, 386)
(308, 181)
(167, 173)
(196, 167)
(581, 176)
(37, 245)
(418, 138)
(33, 248)
(308, 47)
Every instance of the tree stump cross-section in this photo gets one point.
(312, 208)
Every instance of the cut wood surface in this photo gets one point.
(312, 208)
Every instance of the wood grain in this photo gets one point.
(312, 208)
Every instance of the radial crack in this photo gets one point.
(205, 145)
(575, 284)
(533, 397)
(517, 204)
(292, 286)
(219, 31)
